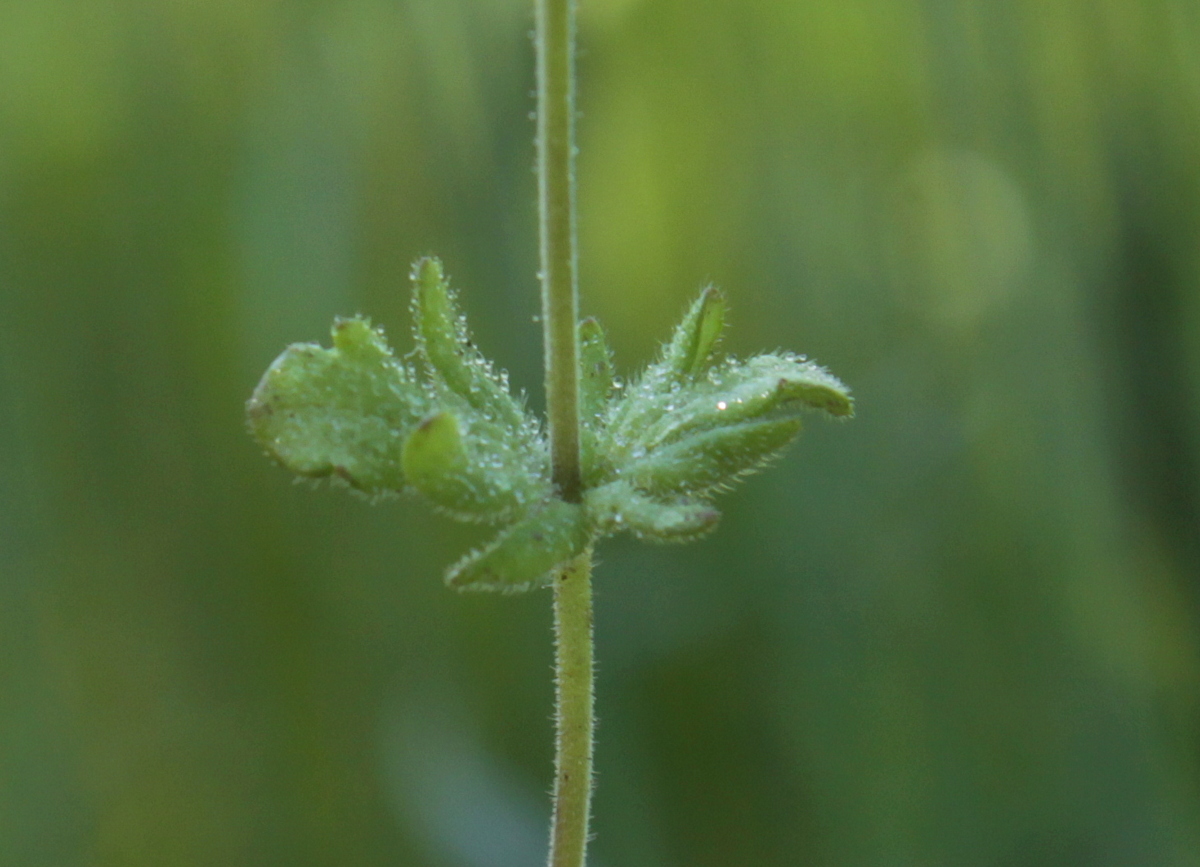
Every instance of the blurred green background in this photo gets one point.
(960, 630)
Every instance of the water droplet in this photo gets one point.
(721, 404)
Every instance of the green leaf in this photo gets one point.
(507, 461)
(595, 391)
(695, 337)
(680, 361)
(525, 554)
(712, 459)
(341, 412)
(733, 393)
(464, 481)
(619, 506)
(595, 373)
(445, 345)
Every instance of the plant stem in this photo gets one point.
(556, 206)
(573, 712)
(560, 313)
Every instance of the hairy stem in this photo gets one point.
(573, 717)
(560, 313)
(556, 205)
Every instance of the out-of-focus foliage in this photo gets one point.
(961, 630)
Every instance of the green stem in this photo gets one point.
(560, 313)
(556, 206)
(573, 712)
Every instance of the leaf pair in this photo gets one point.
(653, 454)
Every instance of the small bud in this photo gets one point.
(525, 554)
(340, 412)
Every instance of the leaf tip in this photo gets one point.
(427, 269)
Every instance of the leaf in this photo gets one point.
(445, 346)
(451, 470)
(525, 554)
(595, 372)
(619, 506)
(695, 337)
(712, 459)
(733, 393)
(595, 391)
(341, 412)
(689, 426)
(679, 362)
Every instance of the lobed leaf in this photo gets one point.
(341, 412)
